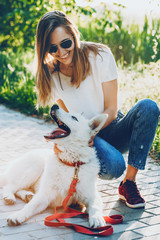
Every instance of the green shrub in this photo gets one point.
(17, 84)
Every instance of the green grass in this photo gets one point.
(137, 82)
(129, 43)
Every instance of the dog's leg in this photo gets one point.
(24, 195)
(39, 202)
(94, 208)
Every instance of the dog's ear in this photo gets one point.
(97, 122)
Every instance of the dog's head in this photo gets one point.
(74, 127)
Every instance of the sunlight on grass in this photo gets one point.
(138, 82)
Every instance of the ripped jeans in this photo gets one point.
(133, 132)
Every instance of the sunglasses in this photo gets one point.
(66, 43)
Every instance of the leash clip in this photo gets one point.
(76, 172)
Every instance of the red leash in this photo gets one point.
(99, 231)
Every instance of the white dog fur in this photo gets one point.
(41, 179)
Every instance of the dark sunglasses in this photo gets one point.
(66, 43)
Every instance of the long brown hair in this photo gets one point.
(81, 64)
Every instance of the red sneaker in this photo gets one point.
(129, 192)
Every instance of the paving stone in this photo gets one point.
(151, 220)
(19, 134)
(19, 236)
(122, 236)
(155, 202)
(152, 198)
(150, 191)
(133, 214)
(149, 231)
(128, 225)
(155, 211)
(108, 198)
(20, 229)
(156, 237)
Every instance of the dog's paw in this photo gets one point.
(15, 220)
(24, 195)
(9, 200)
(28, 197)
(96, 220)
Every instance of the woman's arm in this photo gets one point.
(110, 91)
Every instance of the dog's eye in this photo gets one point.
(75, 118)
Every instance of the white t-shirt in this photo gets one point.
(88, 99)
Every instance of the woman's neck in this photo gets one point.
(66, 69)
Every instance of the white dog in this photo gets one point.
(42, 178)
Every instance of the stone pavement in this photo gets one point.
(19, 134)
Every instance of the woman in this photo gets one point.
(82, 77)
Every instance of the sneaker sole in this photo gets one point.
(139, 205)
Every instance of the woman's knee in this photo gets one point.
(117, 168)
(149, 108)
(112, 163)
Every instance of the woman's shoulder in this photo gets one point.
(103, 63)
(95, 52)
(104, 54)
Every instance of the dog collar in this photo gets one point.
(74, 164)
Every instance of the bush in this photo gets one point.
(17, 87)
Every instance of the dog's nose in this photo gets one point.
(54, 107)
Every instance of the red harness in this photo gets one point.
(100, 231)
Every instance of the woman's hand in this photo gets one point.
(90, 143)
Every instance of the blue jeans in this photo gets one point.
(134, 132)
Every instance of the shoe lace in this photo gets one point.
(132, 190)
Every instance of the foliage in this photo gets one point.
(137, 82)
(19, 19)
(17, 85)
(18, 22)
(140, 81)
(129, 43)
(136, 50)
